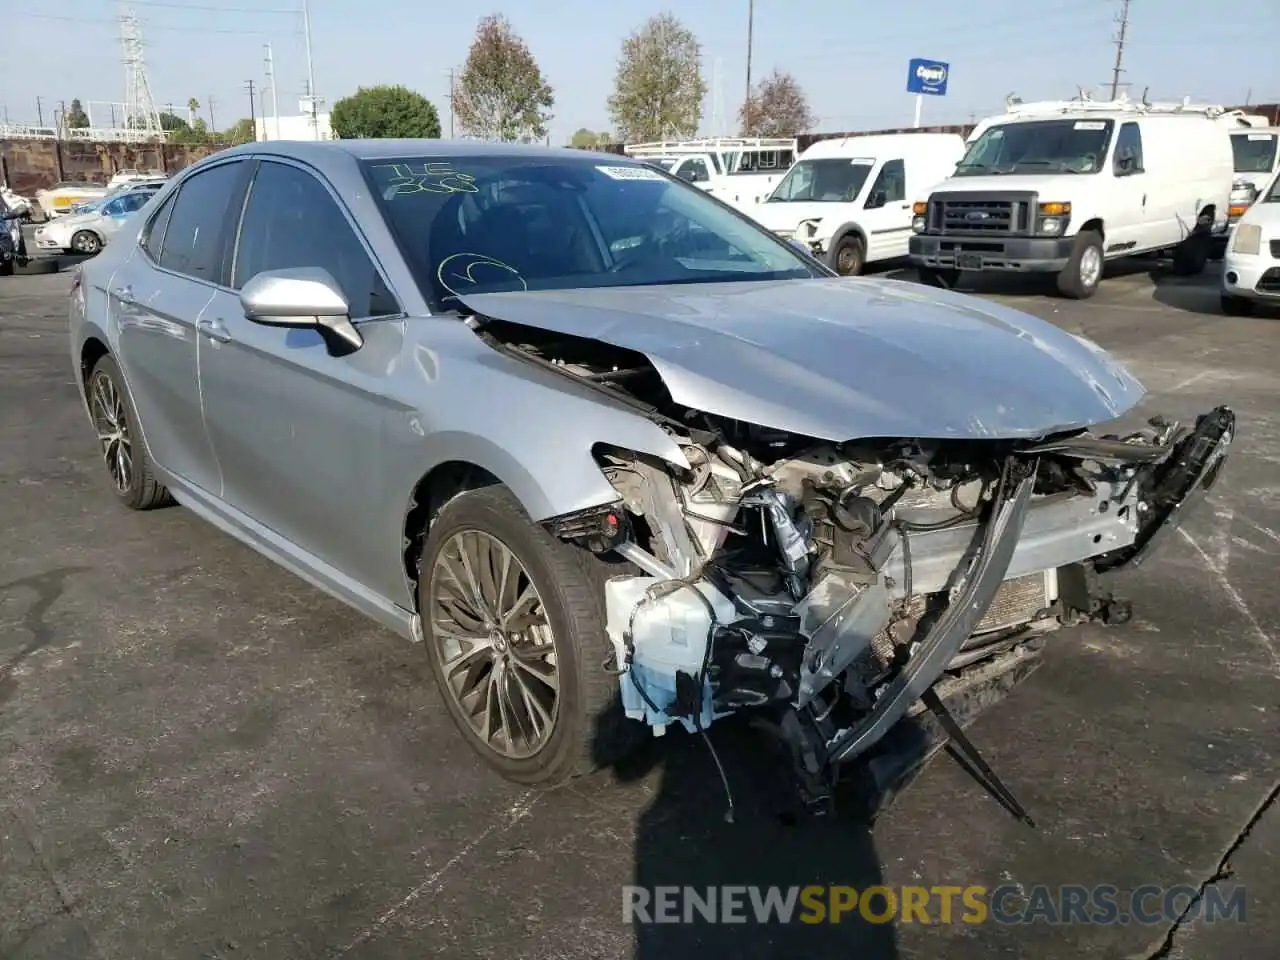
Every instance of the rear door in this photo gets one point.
(157, 299)
(298, 431)
(886, 213)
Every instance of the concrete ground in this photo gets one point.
(202, 757)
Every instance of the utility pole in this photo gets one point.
(208, 102)
(451, 73)
(62, 119)
(311, 72)
(1119, 42)
(39, 111)
(275, 97)
(751, 22)
(253, 116)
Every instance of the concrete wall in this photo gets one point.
(31, 165)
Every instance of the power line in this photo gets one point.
(1119, 42)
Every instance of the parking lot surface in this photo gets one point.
(201, 756)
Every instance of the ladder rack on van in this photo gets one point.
(673, 148)
(1014, 107)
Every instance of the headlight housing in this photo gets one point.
(1248, 239)
(1052, 217)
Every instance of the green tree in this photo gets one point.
(501, 93)
(195, 133)
(585, 139)
(76, 118)
(242, 132)
(777, 108)
(384, 112)
(169, 122)
(659, 87)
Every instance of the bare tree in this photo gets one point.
(501, 93)
(777, 108)
(659, 87)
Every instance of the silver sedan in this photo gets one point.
(615, 455)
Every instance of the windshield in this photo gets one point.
(488, 224)
(1040, 146)
(829, 180)
(1254, 152)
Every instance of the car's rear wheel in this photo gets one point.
(85, 242)
(514, 625)
(1234, 306)
(6, 268)
(125, 455)
(1191, 256)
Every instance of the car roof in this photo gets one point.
(319, 150)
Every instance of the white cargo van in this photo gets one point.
(1256, 156)
(1063, 187)
(849, 200)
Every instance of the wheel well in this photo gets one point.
(92, 351)
(1205, 219)
(440, 485)
(853, 230)
(1096, 226)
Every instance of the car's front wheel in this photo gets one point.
(514, 624)
(1079, 279)
(848, 257)
(86, 242)
(125, 455)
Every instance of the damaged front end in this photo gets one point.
(834, 589)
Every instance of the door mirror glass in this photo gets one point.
(687, 173)
(876, 200)
(300, 297)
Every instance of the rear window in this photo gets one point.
(1254, 152)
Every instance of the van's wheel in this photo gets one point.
(1079, 279)
(514, 625)
(114, 417)
(86, 242)
(1234, 306)
(935, 277)
(1192, 255)
(848, 257)
(6, 268)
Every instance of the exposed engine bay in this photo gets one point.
(829, 587)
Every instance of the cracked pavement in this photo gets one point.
(201, 756)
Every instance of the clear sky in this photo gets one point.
(850, 57)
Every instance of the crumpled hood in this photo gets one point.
(839, 359)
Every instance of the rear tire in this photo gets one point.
(936, 277)
(6, 268)
(1237, 306)
(587, 727)
(1079, 279)
(113, 415)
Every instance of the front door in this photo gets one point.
(886, 214)
(118, 211)
(298, 431)
(157, 299)
(1133, 217)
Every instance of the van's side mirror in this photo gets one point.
(306, 297)
(1126, 163)
(687, 174)
(877, 200)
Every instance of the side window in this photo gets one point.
(890, 185)
(291, 220)
(133, 202)
(1128, 157)
(153, 240)
(193, 240)
(114, 208)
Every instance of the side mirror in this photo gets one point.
(687, 174)
(876, 200)
(305, 297)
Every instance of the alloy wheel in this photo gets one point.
(111, 422)
(496, 647)
(1090, 267)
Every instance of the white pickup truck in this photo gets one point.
(741, 171)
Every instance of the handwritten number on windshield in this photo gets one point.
(434, 177)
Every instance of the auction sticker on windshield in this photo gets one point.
(1090, 125)
(632, 173)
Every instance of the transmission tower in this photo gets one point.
(1123, 21)
(140, 110)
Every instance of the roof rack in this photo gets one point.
(659, 148)
(1086, 104)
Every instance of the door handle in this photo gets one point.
(124, 294)
(215, 330)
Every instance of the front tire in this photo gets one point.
(1191, 256)
(848, 257)
(116, 422)
(1079, 279)
(86, 242)
(1234, 306)
(514, 625)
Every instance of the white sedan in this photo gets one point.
(1251, 269)
(89, 231)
